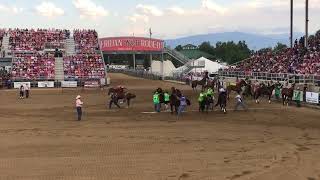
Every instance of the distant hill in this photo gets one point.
(254, 41)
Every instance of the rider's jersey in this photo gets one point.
(156, 98)
(166, 97)
(201, 97)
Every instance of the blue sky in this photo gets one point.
(167, 18)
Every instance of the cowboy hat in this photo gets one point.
(78, 97)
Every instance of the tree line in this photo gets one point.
(231, 52)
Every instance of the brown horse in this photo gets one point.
(236, 88)
(126, 97)
(202, 83)
(264, 90)
(287, 94)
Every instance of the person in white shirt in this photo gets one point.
(27, 90)
(239, 102)
(79, 104)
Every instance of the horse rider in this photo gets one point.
(114, 100)
(156, 101)
(239, 102)
(222, 94)
(166, 99)
(201, 100)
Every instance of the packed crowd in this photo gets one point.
(86, 41)
(36, 40)
(296, 60)
(33, 66)
(84, 66)
(2, 33)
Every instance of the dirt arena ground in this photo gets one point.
(40, 139)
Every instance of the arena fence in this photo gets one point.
(296, 78)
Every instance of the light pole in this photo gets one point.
(307, 23)
(150, 33)
(291, 23)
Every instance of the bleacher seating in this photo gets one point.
(33, 67)
(297, 60)
(86, 41)
(84, 66)
(87, 63)
(35, 40)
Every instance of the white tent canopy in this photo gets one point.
(209, 66)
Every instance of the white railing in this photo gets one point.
(297, 78)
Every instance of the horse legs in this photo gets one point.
(128, 102)
(269, 98)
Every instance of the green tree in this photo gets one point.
(178, 48)
(206, 47)
(279, 47)
(318, 33)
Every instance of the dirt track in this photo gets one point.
(40, 139)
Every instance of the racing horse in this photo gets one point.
(121, 95)
(287, 94)
(264, 90)
(175, 101)
(202, 83)
(237, 88)
(222, 101)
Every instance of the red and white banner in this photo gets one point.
(131, 44)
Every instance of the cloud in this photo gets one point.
(49, 9)
(210, 5)
(176, 10)
(10, 9)
(87, 8)
(138, 17)
(149, 10)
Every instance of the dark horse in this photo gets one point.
(287, 94)
(237, 88)
(264, 90)
(174, 100)
(222, 101)
(202, 83)
(122, 95)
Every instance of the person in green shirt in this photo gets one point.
(210, 92)
(297, 96)
(166, 99)
(156, 102)
(201, 100)
(277, 90)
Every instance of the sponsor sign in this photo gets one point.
(131, 44)
(312, 97)
(46, 84)
(69, 84)
(17, 85)
(118, 67)
(91, 84)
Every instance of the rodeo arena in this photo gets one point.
(75, 105)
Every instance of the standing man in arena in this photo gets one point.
(183, 104)
(21, 92)
(79, 104)
(156, 101)
(27, 90)
(166, 100)
(201, 101)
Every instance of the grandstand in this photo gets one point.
(51, 55)
(300, 63)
